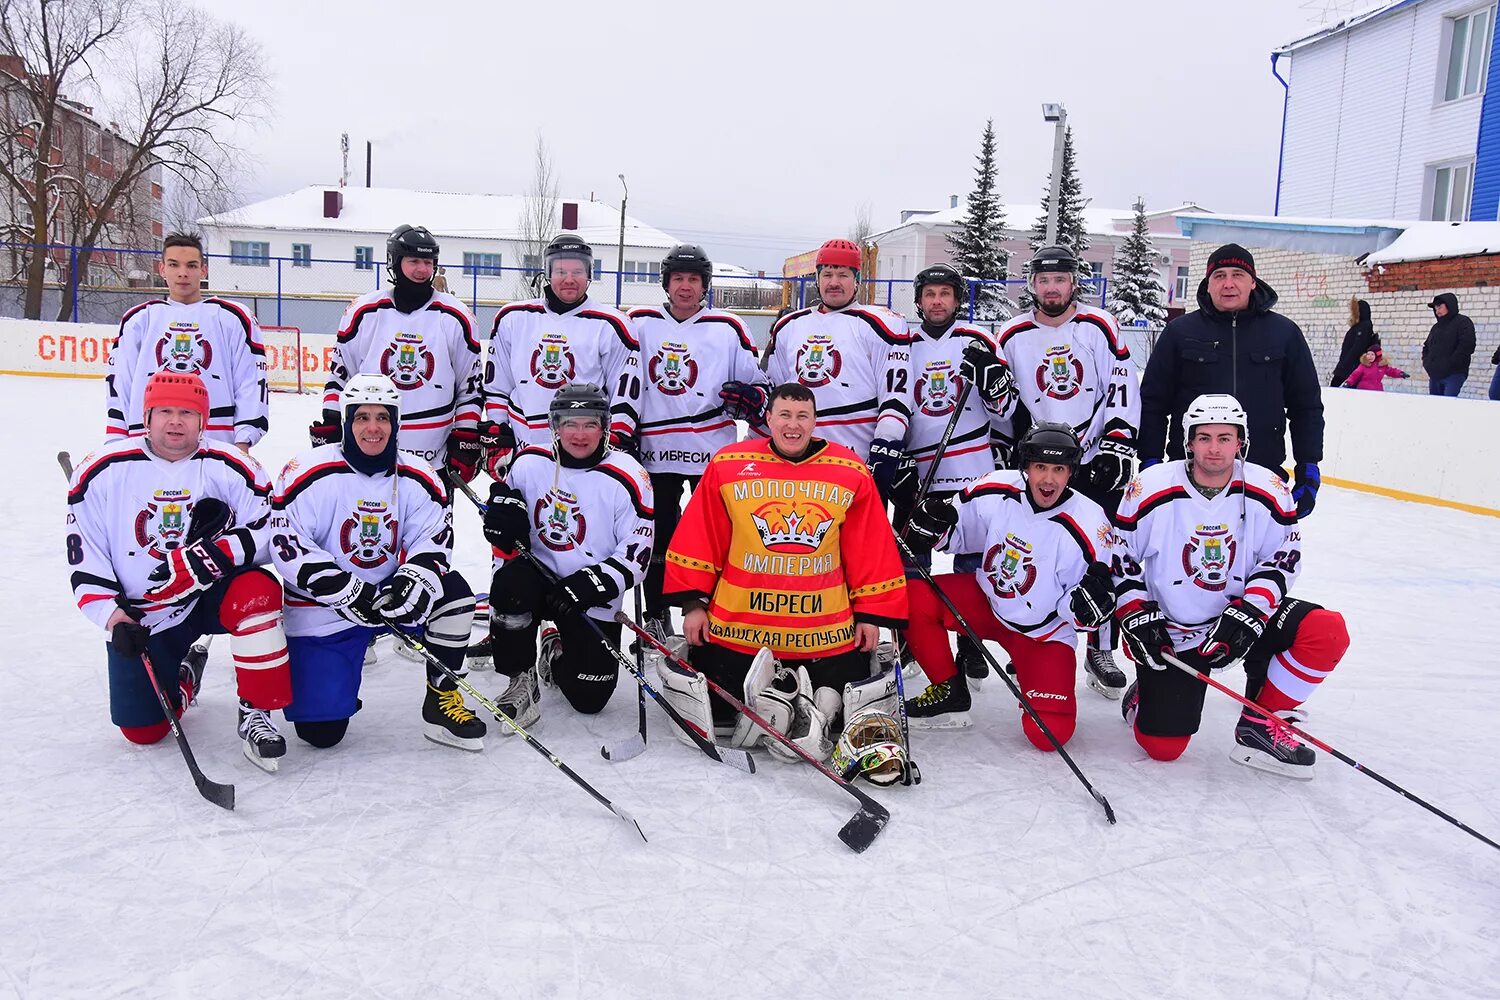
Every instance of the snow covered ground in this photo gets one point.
(391, 867)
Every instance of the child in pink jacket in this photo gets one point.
(1372, 372)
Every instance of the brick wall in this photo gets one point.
(1315, 289)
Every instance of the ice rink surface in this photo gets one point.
(392, 867)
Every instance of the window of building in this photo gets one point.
(1180, 288)
(302, 255)
(1452, 184)
(481, 263)
(598, 269)
(364, 258)
(1468, 53)
(532, 262)
(250, 253)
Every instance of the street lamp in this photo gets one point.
(620, 256)
(1058, 115)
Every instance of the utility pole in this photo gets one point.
(620, 257)
(344, 145)
(1057, 114)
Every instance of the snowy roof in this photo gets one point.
(1434, 240)
(1098, 221)
(1339, 27)
(1188, 221)
(474, 216)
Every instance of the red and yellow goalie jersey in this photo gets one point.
(788, 554)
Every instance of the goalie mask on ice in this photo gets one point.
(871, 747)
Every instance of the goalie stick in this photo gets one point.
(863, 827)
(632, 746)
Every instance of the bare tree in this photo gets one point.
(539, 218)
(177, 79)
(862, 228)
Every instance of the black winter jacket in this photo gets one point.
(1450, 342)
(1258, 356)
(1360, 338)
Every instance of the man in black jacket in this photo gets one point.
(1234, 343)
(1449, 346)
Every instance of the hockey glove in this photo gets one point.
(129, 638)
(407, 597)
(744, 401)
(894, 470)
(1144, 629)
(620, 441)
(1093, 600)
(499, 444)
(192, 569)
(933, 518)
(464, 453)
(1237, 629)
(326, 430)
(351, 597)
(1306, 480)
(1114, 466)
(590, 587)
(506, 520)
(989, 376)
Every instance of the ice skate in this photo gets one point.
(941, 706)
(447, 720)
(521, 702)
(263, 745)
(1265, 746)
(1103, 674)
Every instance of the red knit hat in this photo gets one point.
(184, 390)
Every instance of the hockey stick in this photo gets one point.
(417, 646)
(219, 794)
(632, 746)
(1286, 726)
(937, 455)
(735, 758)
(863, 827)
(66, 461)
(1015, 688)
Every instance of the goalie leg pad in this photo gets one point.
(876, 694)
(685, 691)
(760, 682)
(813, 714)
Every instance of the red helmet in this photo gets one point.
(839, 253)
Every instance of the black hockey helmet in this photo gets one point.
(580, 399)
(941, 274)
(1054, 258)
(688, 258)
(566, 246)
(1050, 443)
(409, 241)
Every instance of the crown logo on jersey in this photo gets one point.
(1208, 556)
(552, 364)
(818, 361)
(407, 362)
(162, 525)
(937, 388)
(1060, 375)
(791, 531)
(1009, 566)
(368, 535)
(183, 349)
(672, 369)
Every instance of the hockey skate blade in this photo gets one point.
(1260, 762)
(437, 734)
(627, 749)
(862, 829)
(952, 720)
(1112, 693)
(407, 652)
(266, 764)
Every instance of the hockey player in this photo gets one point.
(213, 338)
(164, 534)
(784, 546)
(701, 373)
(1045, 574)
(540, 345)
(423, 341)
(583, 510)
(1209, 550)
(855, 359)
(1072, 367)
(363, 535)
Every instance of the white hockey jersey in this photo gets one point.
(1080, 374)
(431, 355)
(534, 352)
(856, 360)
(1032, 559)
(587, 517)
(127, 508)
(1193, 555)
(329, 517)
(215, 339)
(685, 365)
(935, 390)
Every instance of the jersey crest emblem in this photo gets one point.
(1208, 556)
(818, 361)
(162, 525)
(938, 388)
(363, 535)
(183, 349)
(785, 527)
(407, 362)
(1060, 375)
(1010, 568)
(672, 369)
(552, 364)
(559, 520)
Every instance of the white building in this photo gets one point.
(1389, 115)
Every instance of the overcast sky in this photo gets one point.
(759, 129)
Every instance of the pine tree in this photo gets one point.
(1071, 231)
(1136, 292)
(977, 249)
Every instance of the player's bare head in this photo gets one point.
(183, 266)
(791, 415)
(176, 409)
(1046, 482)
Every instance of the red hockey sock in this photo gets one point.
(251, 611)
(1293, 675)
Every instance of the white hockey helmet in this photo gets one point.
(1215, 408)
(370, 388)
(871, 746)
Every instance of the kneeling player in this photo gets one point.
(583, 510)
(1044, 573)
(164, 532)
(363, 536)
(1209, 549)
